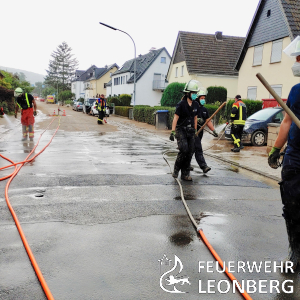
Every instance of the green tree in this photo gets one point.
(62, 68)
(49, 90)
(38, 88)
(66, 95)
(172, 94)
(13, 81)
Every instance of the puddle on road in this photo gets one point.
(181, 238)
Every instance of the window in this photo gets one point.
(252, 91)
(110, 74)
(176, 72)
(276, 51)
(278, 117)
(257, 57)
(163, 60)
(269, 13)
(278, 89)
(105, 85)
(182, 67)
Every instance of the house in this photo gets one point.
(77, 83)
(151, 71)
(208, 58)
(274, 25)
(96, 85)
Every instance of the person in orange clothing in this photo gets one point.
(27, 105)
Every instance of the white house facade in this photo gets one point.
(151, 74)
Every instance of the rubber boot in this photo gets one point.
(236, 149)
(186, 176)
(294, 247)
(175, 172)
(190, 168)
(206, 169)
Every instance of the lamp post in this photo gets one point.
(134, 76)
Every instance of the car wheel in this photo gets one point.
(258, 138)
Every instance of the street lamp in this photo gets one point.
(134, 76)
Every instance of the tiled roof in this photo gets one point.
(86, 75)
(105, 70)
(204, 54)
(291, 9)
(143, 62)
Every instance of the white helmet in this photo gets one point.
(18, 91)
(192, 86)
(202, 92)
(293, 49)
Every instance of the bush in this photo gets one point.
(7, 100)
(172, 94)
(125, 100)
(216, 93)
(115, 100)
(252, 107)
(122, 111)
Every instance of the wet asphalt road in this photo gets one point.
(100, 209)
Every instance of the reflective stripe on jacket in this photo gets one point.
(238, 113)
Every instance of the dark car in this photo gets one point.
(256, 127)
(86, 107)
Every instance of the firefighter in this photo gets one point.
(290, 174)
(237, 120)
(202, 116)
(101, 107)
(27, 105)
(184, 127)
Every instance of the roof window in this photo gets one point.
(269, 13)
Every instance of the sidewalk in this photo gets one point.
(252, 158)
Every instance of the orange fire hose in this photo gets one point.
(22, 235)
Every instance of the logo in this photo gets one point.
(170, 281)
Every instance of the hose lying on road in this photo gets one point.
(22, 235)
(204, 239)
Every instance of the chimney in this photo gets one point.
(218, 36)
(152, 49)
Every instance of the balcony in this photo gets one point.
(159, 85)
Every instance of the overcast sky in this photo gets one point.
(31, 30)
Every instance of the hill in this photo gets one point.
(30, 76)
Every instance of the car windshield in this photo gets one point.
(263, 115)
(79, 103)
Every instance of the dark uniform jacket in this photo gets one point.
(22, 101)
(186, 113)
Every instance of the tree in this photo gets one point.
(66, 95)
(62, 68)
(12, 81)
(38, 88)
(49, 90)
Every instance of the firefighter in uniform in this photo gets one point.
(101, 107)
(290, 174)
(202, 116)
(27, 105)
(237, 119)
(184, 127)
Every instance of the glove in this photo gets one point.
(35, 113)
(274, 156)
(215, 133)
(200, 121)
(172, 135)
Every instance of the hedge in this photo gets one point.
(252, 107)
(124, 100)
(172, 94)
(216, 94)
(122, 110)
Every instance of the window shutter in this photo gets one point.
(252, 91)
(258, 53)
(276, 51)
(278, 89)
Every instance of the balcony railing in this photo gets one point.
(159, 85)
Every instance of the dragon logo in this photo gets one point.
(171, 280)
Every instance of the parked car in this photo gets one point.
(78, 106)
(87, 105)
(74, 104)
(256, 127)
(94, 111)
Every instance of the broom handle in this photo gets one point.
(224, 103)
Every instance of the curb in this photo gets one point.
(244, 167)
